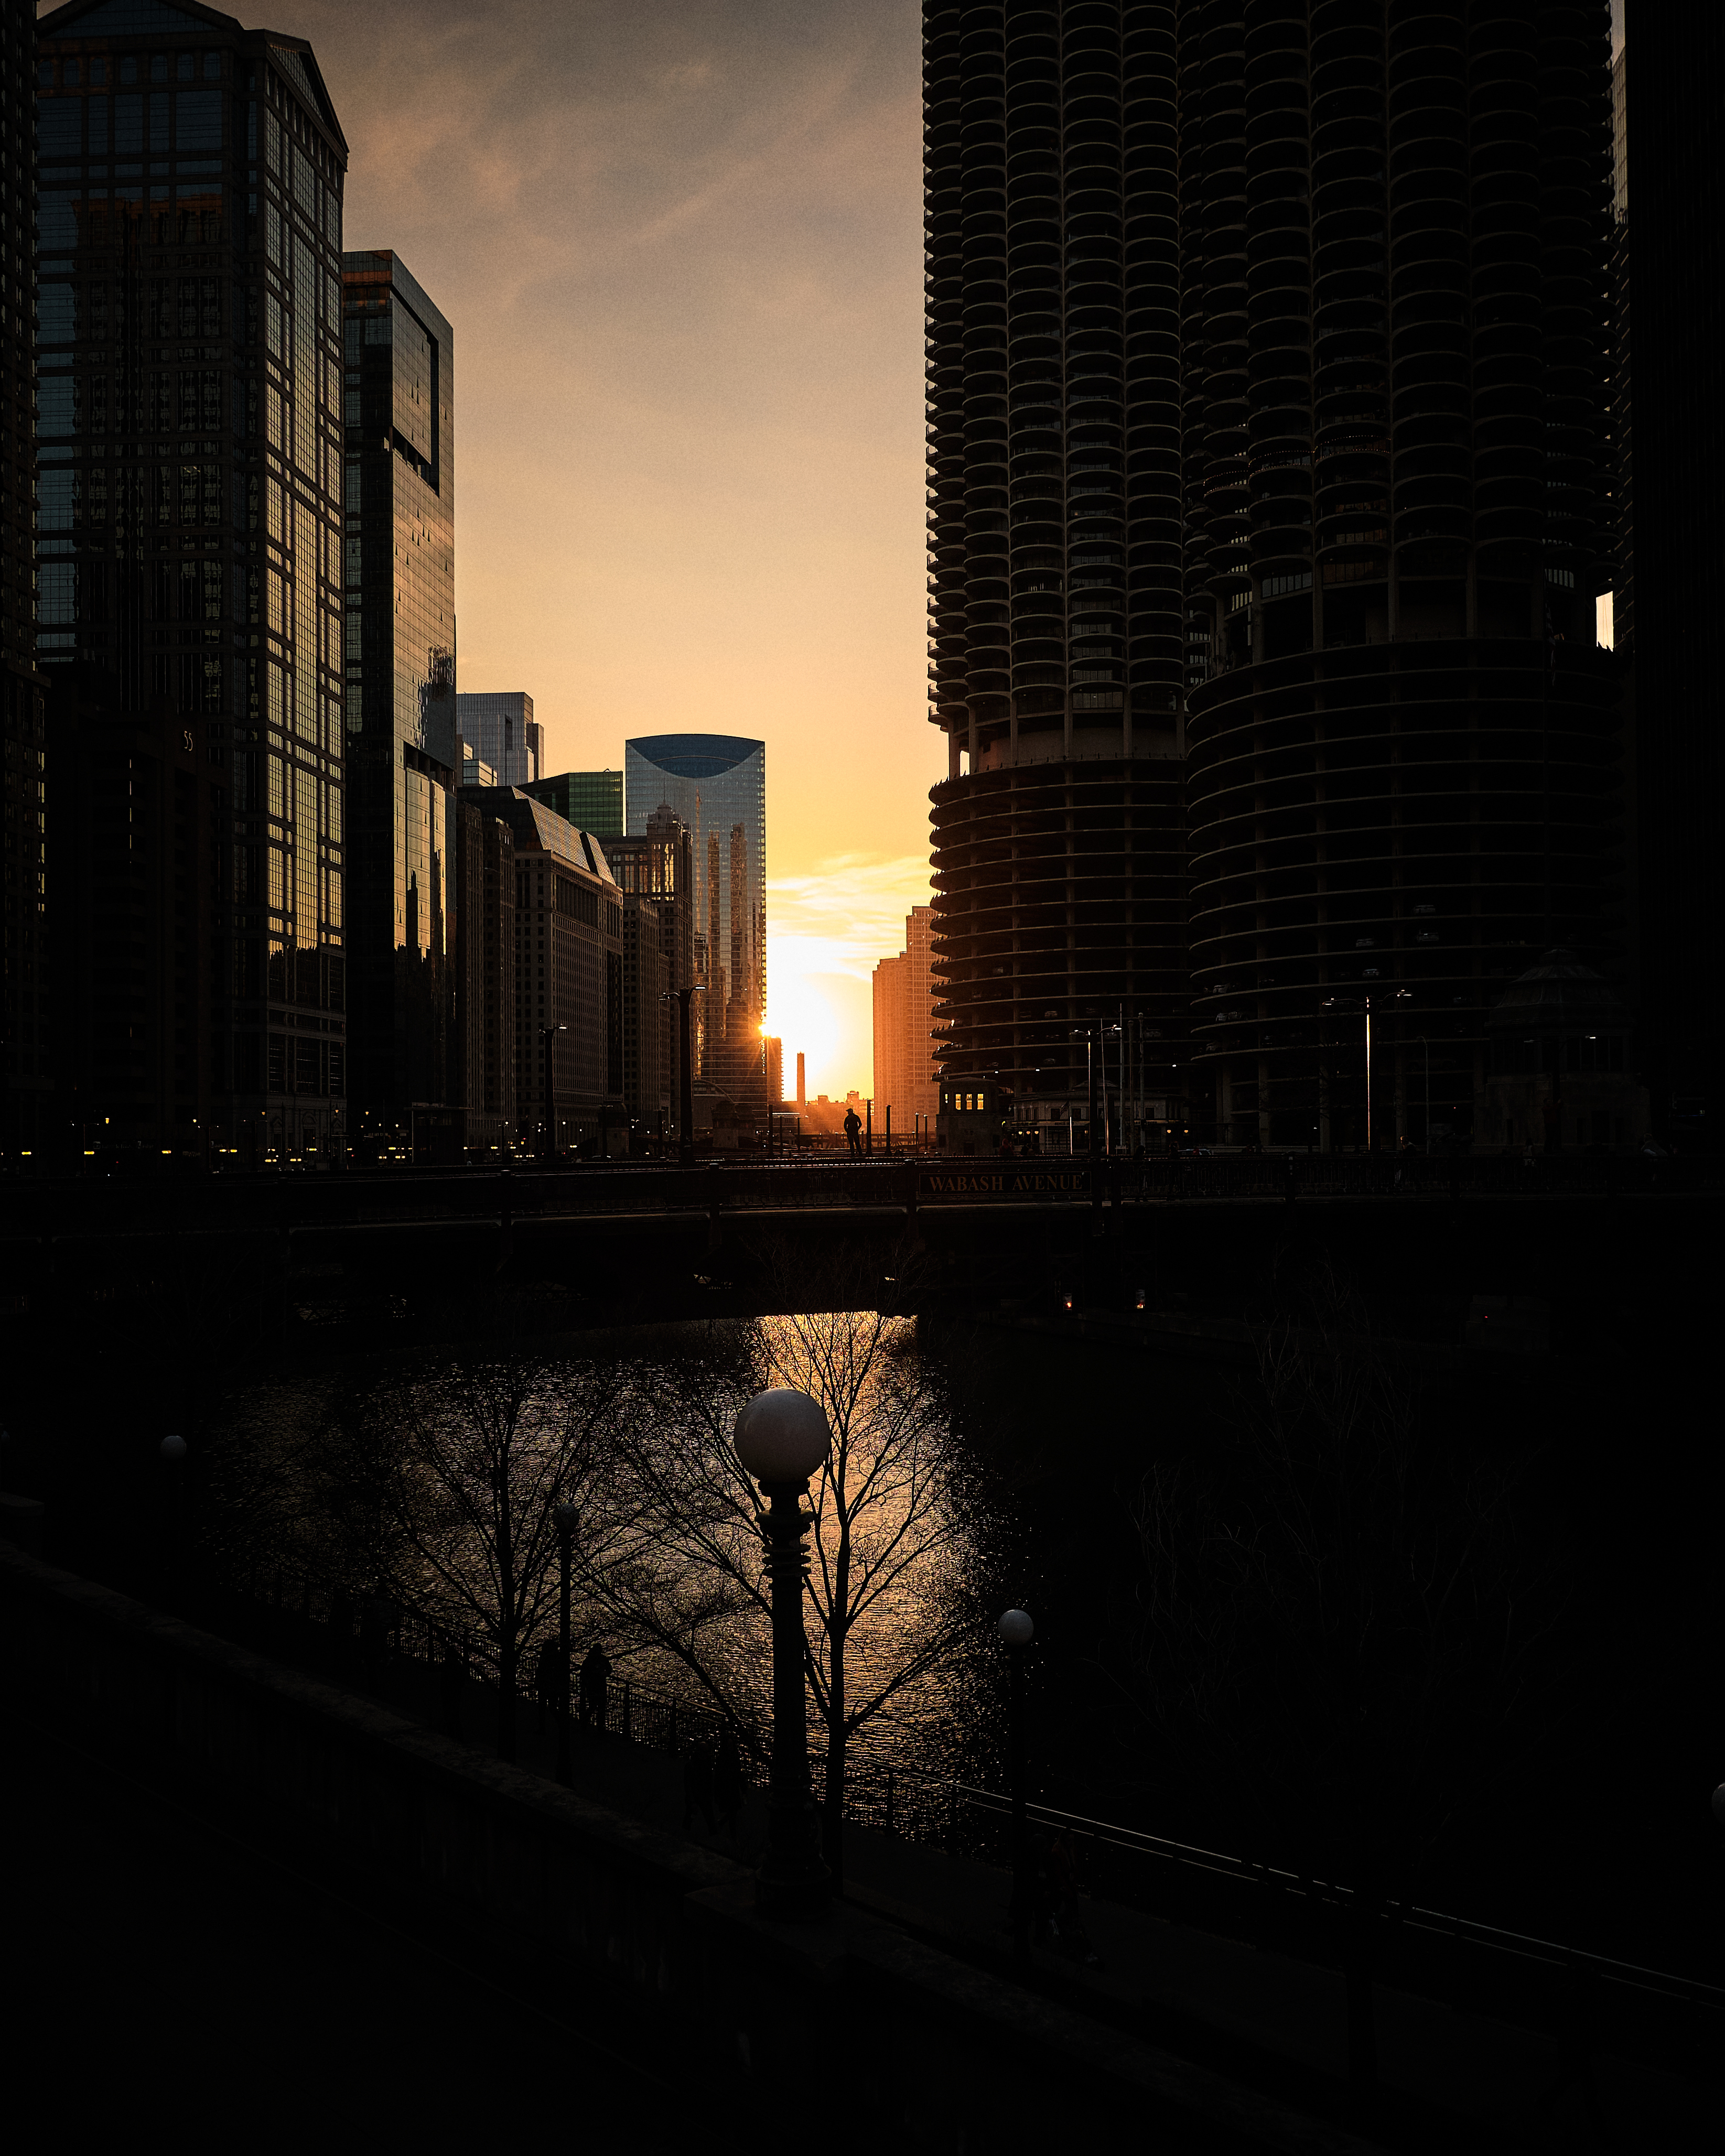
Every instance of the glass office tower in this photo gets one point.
(24, 1039)
(191, 177)
(590, 800)
(400, 658)
(716, 784)
(498, 726)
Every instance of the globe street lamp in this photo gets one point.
(567, 1517)
(1017, 1631)
(782, 1439)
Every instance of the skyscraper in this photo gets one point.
(715, 785)
(905, 1076)
(569, 976)
(498, 726)
(1403, 743)
(655, 871)
(25, 1044)
(190, 224)
(590, 800)
(1056, 639)
(1673, 238)
(401, 699)
(1267, 358)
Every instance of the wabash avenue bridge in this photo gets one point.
(648, 1240)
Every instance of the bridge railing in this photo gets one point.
(264, 1206)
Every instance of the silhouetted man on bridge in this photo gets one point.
(853, 1131)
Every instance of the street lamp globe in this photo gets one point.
(173, 1449)
(782, 1436)
(1015, 1627)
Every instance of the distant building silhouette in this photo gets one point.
(905, 1077)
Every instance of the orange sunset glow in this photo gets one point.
(680, 247)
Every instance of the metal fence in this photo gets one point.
(1676, 2020)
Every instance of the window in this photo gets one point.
(58, 129)
(199, 121)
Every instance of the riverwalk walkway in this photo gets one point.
(1449, 2078)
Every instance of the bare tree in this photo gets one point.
(468, 1466)
(1338, 1617)
(887, 1585)
(885, 1571)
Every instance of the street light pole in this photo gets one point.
(686, 1127)
(1017, 1630)
(781, 1439)
(567, 1517)
(547, 1035)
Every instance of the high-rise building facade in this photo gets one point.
(656, 871)
(568, 976)
(190, 448)
(1403, 743)
(25, 1041)
(906, 1076)
(484, 984)
(401, 699)
(1673, 243)
(1057, 638)
(1268, 358)
(715, 786)
(498, 726)
(590, 800)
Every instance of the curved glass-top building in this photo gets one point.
(715, 785)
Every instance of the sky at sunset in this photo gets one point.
(681, 246)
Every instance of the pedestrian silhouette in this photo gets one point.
(727, 1780)
(551, 1681)
(853, 1132)
(451, 1677)
(698, 1796)
(595, 1678)
(1066, 1927)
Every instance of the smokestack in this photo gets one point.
(802, 1093)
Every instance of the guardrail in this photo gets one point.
(269, 1205)
(1674, 2020)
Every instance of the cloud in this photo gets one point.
(846, 914)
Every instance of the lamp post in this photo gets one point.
(547, 1035)
(685, 1125)
(782, 1439)
(1017, 1631)
(567, 1517)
